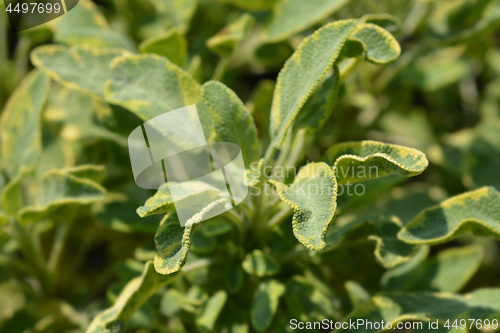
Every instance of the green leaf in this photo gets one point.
(84, 24)
(171, 45)
(313, 197)
(81, 68)
(252, 5)
(131, 298)
(133, 88)
(357, 294)
(162, 202)
(265, 304)
(234, 277)
(254, 173)
(84, 15)
(449, 271)
(75, 113)
(397, 307)
(20, 124)
(303, 71)
(476, 212)
(319, 105)
(363, 160)
(260, 264)
(389, 250)
(206, 320)
(216, 226)
(305, 301)
(176, 13)
(293, 16)
(231, 120)
(94, 173)
(172, 242)
(59, 189)
(15, 195)
(379, 45)
(226, 40)
(94, 37)
(121, 215)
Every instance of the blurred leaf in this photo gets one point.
(306, 302)
(252, 5)
(231, 120)
(94, 37)
(313, 197)
(448, 271)
(273, 55)
(59, 189)
(20, 125)
(171, 45)
(265, 304)
(253, 175)
(206, 320)
(176, 13)
(133, 88)
(357, 294)
(293, 16)
(121, 216)
(234, 277)
(352, 160)
(260, 264)
(226, 40)
(133, 295)
(303, 71)
(216, 226)
(389, 250)
(396, 307)
(476, 212)
(386, 21)
(81, 68)
(12, 299)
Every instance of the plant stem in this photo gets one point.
(221, 68)
(279, 217)
(56, 253)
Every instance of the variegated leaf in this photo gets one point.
(260, 264)
(231, 120)
(131, 298)
(303, 71)
(477, 212)
(20, 124)
(82, 68)
(176, 13)
(292, 16)
(363, 160)
(379, 45)
(265, 304)
(163, 202)
(421, 306)
(210, 312)
(319, 105)
(448, 271)
(313, 197)
(59, 189)
(171, 45)
(389, 250)
(226, 40)
(172, 242)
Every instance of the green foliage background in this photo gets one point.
(411, 87)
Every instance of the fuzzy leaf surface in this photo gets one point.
(363, 160)
(20, 124)
(303, 71)
(313, 197)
